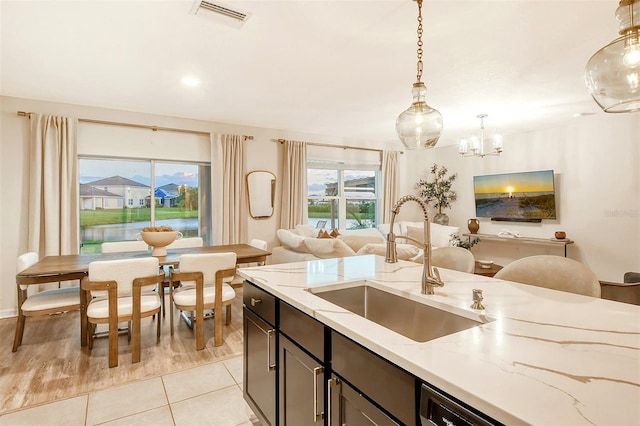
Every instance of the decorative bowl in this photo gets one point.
(159, 240)
(486, 264)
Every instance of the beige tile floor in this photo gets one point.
(206, 395)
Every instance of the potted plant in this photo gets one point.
(438, 191)
(456, 241)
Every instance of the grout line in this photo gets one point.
(88, 394)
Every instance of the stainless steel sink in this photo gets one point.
(412, 319)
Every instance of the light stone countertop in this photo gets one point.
(544, 357)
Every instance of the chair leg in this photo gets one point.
(92, 332)
(17, 340)
(158, 330)
(199, 329)
(162, 302)
(113, 342)
(228, 312)
(171, 318)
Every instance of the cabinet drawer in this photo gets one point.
(259, 301)
(302, 329)
(388, 385)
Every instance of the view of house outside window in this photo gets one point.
(116, 197)
(343, 199)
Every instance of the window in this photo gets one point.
(342, 196)
(156, 193)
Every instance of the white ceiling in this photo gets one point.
(337, 68)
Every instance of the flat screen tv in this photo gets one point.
(516, 197)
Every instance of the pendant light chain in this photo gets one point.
(419, 66)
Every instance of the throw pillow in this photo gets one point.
(441, 234)
(323, 234)
(417, 233)
(306, 230)
(328, 248)
(334, 233)
(405, 251)
(356, 242)
(291, 240)
(386, 227)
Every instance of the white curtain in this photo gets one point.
(389, 183)
(53, 186)
(294, 185)
(229, 206)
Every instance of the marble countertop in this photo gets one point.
(540, 356)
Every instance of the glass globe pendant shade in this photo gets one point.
(612, 75)
(420, 125)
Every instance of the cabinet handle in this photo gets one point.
(269, 365)
(316, 371)
(254, 302)
(330, 384)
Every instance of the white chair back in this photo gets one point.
(186, 242)
(554, 272)
(208, 264)
(259, 244)
(123, 271)
(456, 258)
(25, 261)
(122, 246)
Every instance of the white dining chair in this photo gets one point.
(122, 290)
(204, 282)
(44, 302)
(123, 246)
(177, 244)
(186, 242)
(257, 243)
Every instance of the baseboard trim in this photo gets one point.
(8, 313)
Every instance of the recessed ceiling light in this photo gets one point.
(190, 81)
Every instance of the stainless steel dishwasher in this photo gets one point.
(438, 409)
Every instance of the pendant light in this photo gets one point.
(612, 74)
(420, 125)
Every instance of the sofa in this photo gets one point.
(303, 242)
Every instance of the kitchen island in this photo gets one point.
(538, 357)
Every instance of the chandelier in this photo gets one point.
(420, 125)
(474, 147)
(612, 75)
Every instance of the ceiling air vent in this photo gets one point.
(223, 13)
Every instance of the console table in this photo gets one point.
(524, 240)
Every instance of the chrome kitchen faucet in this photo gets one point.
(430, 274)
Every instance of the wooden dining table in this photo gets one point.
(76, 266)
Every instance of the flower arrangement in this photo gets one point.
(457, 242)
(438, 189)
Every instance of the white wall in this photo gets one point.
(596, 163)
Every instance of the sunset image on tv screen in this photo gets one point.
(525, 195)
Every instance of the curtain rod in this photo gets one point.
(139, 126)
(337, 146)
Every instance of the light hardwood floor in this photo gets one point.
(51, 365)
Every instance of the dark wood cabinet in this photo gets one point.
(260, 369)
(348, 407)
(301, 384)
